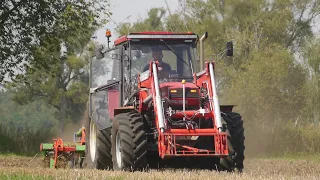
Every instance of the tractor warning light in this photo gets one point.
(108, 33)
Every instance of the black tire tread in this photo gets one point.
(235, 130)
(103, 158)
(133, 141)
(104, 149)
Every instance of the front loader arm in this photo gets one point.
(149, 80)
(205, 79)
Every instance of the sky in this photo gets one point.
(130, 11)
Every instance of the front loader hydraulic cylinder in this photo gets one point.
(216, 105)
(184, 95)
(158, 97)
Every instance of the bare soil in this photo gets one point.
(16, 167)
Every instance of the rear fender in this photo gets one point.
(123, 110)
(226, 108)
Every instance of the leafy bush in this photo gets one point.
(24, 127)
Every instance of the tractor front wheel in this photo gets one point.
(233, 124)
(129, 144)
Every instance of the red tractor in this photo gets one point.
(152, 101)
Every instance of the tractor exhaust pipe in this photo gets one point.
(203, 37)
(216, 105)
(158, 98)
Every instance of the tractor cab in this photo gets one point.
(131, 55)
(175, 53)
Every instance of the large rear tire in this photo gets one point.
(129, 143)
(98, 146)
(233, 124)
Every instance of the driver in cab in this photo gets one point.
(157, 56)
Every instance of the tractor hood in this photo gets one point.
(174, 92)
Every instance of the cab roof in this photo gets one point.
(152, 35)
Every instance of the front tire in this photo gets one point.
(129, 143)
(234, 128)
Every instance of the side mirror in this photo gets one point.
(98, 51)
(229, 48)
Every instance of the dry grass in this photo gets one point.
(14, 167)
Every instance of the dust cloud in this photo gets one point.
(68, 135)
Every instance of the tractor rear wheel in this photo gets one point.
(234, 128)
(129, 143)
(98, 146)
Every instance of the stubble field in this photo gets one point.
(16, 167)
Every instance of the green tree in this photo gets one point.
(24, 22)
(65, 53)
(271, 89)
(312, 59)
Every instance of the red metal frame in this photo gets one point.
(120, 40)
(58, 146)
(167, 145)
(125, 38)
(161, 33)
(113, 101)
(83, 136)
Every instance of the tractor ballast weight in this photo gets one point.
(152, 112)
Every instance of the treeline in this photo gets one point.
(273, 77)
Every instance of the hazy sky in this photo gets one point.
(130, 11)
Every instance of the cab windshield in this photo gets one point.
(177, 58)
